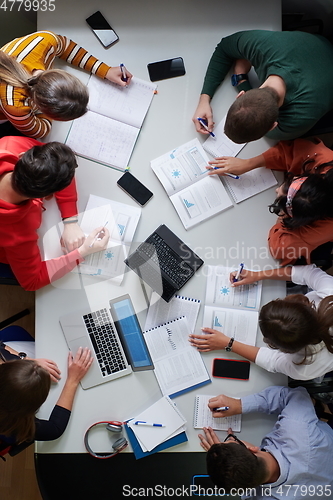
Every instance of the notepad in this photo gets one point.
(233, 311)
(249, 184)
(163, 411)
(179, 367)
(160, 312)
(203, 417)
(121, 220)
(183, 174)
(108, 131)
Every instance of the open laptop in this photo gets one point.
(164, 262)
(114, 336)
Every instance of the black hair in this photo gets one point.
(44, 170)
(313, 201)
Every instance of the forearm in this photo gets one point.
(67, 395)
(72, 53)
(246, 351)
(255, 162)
(280, 273)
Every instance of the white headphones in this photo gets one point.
(117, 446)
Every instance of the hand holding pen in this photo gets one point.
(203, 123)
(95, 242)
(117, 73)
(238, 273)
(224, 406)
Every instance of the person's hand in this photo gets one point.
(78, 365)
(211, 340)
(72, 237)
(228, 165)
(245, 278)
(235, 406)
(115, 75)
(51, 367)
(95, 242)
(208, 439)
(205, 112)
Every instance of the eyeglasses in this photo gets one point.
(235, 438)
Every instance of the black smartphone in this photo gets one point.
(238, 369)
(105, 34)
(134, 188)
(161, 70)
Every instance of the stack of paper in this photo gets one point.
(164, 412)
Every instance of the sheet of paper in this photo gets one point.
(203, 417)
(102, 139)
(125, 104)
(219, 291)
(221, 145)
(178, 365)
(237, 323)
(160, 312)
(164, 411)
(201, 200)
(181, 166)
(250, 183)
(121, 221)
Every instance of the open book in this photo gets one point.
(183, 174)
(203, 417)
(121, 221)
(108, 131)
(248, 184)
(179, 367)
(233, 311)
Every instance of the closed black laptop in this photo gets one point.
(164, 262)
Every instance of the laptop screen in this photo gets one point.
(130, 333)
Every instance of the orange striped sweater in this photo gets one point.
(38, 51)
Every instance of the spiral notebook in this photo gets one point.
(160, 312)
(179, 367)
(203, 417)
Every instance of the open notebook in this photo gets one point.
(108, 131)
(233, 311)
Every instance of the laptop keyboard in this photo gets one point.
(105, 342)
(161, 254)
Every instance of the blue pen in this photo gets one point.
(229, 175)
(123, 72)
(241, 267)
(222, 408)
(204, 124)
(149, 424)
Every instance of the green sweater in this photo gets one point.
(303, 60)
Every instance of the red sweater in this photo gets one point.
(19, 225)
(284, 244)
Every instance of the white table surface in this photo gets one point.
(151, 31)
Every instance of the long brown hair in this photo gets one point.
(58, 94)
(24, 386)
(292, 324)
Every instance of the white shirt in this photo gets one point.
(273, 360)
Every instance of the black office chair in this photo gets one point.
(316, 391)
(6, 275)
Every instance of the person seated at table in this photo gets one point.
(24, 386)
(293, 460)
(297, 329)
(294, 70)
(32, 94)
(43, 170)
(305, 209)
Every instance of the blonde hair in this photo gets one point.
(55, 92)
